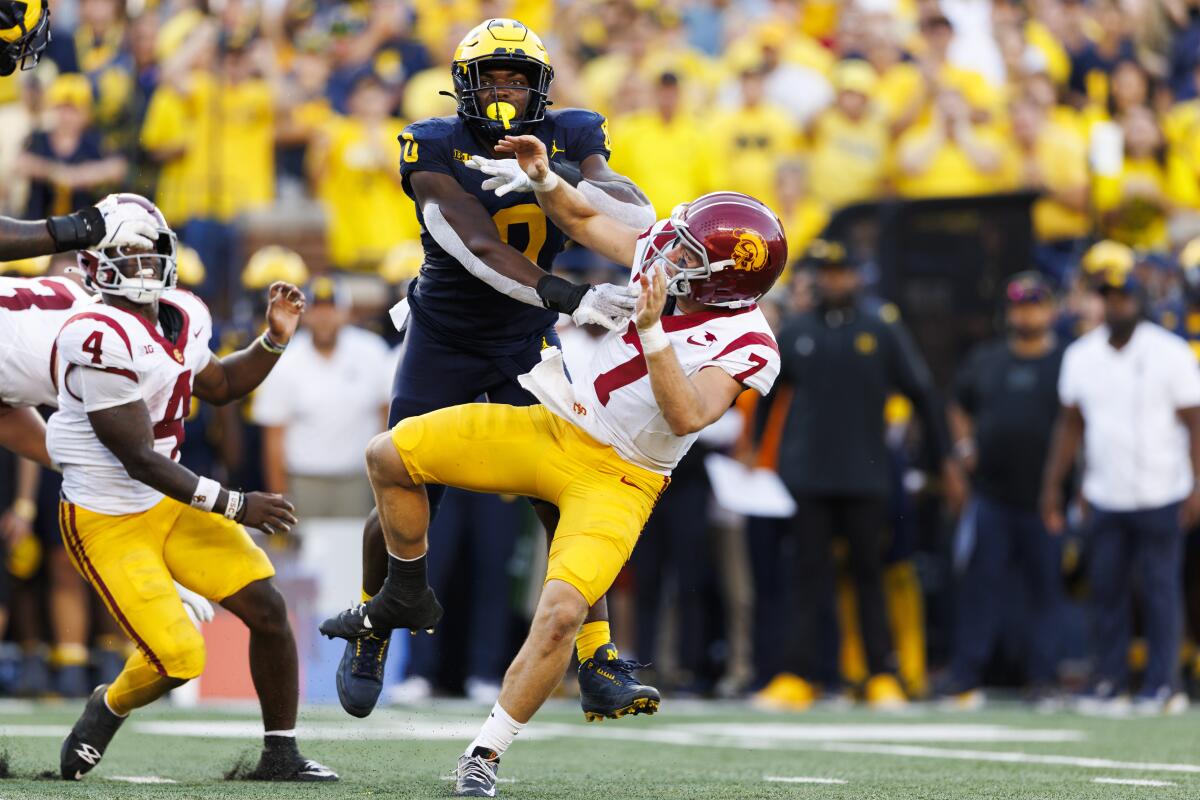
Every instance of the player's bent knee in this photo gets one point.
(184, 659)
(384, 464)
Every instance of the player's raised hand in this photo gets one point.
(531, 155)
(269, 513)
(653, 299)
(285, 304)
(507, 175)
(126, 225)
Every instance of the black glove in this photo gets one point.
(81, 229)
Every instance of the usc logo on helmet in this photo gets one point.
(750, 252)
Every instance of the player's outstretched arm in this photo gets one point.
(107, 224)
(568, 207)
(128, 433)
(231, 378)
(461, 226)
(688, 404)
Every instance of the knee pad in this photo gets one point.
(184, 657)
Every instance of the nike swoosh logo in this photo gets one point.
(698, 344)
(628, 482)
(196, 335)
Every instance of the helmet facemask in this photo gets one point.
(679, 284)
(24, 52)
(140, 276)
(481, 105)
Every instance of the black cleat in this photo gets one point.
(608, 688)
(89, 738)
(476, 774)
(290, 767)
(385, 615)
(360, 675)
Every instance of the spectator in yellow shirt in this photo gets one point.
(850, 141)
(1052, 160)
(950, 156)
(1133, 204)
(353, 167)
(803, 216)
(753, 139)
(665, 149)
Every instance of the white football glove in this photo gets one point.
(507, 175)
(126, 225)
(607, 305)
(198, 608)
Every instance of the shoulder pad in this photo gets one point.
(575, 118)
(889, 313)
(433, 128)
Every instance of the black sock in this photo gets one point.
(406, 582)
(280, 746)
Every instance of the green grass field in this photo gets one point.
(690, 750)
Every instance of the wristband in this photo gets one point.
(204, 496)
(234, 507)
(24, 509)
(558, 294)
(548, 184)
(653, 338)
(76, 231)
(270, 346)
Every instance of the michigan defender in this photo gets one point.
(134, 519)
(601, 448)
(485, 304)
(24, 34)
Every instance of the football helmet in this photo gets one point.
(738, 243)
(500, 44)
(24, 33)
(102, 269)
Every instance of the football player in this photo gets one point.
(485, 304)
(24, 34)
(134, 519)
(600, 448)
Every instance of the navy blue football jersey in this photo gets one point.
(451, 302)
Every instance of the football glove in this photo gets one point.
(198, 608)
(507, 175)
(126, 225)
(607, 304)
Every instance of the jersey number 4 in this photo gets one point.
(178, 406)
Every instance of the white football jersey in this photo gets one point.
(31, 312)
(108, 338)
(612, 399)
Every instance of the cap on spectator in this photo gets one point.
(1106, 255)
(1027, 287)
(1115, 279)
(854, 75)
(824, 253)
(402, 262)
(70, 89)
(175, 32)
(328, 289)
(274, 263)
(188, 266)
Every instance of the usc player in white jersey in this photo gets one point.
(602, 448)
(134, 519)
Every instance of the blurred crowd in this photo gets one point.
(267, 133)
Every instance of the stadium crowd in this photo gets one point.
(267, 134)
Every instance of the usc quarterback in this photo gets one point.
(484, 304)
(134, 520)
(601, 448)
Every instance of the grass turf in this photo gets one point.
(687, 751)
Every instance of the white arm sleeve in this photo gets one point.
(448, 238)
(635, 216)
(102, 389)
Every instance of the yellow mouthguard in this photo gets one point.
(503, 112)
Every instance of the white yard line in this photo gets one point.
(911, 751)
(139, 779)
(800, 779)
(1131, 782)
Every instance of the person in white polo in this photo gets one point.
(1130, 392)
(320, 407)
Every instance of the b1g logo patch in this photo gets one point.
(750, 252)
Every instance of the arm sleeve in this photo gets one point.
(101, 389)
(96, 341)
(752, 360)
(425, 147)
(1185, 378)
(584, 133)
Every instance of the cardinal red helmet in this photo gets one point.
(738, 242)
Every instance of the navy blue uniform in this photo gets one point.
(464, 340)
